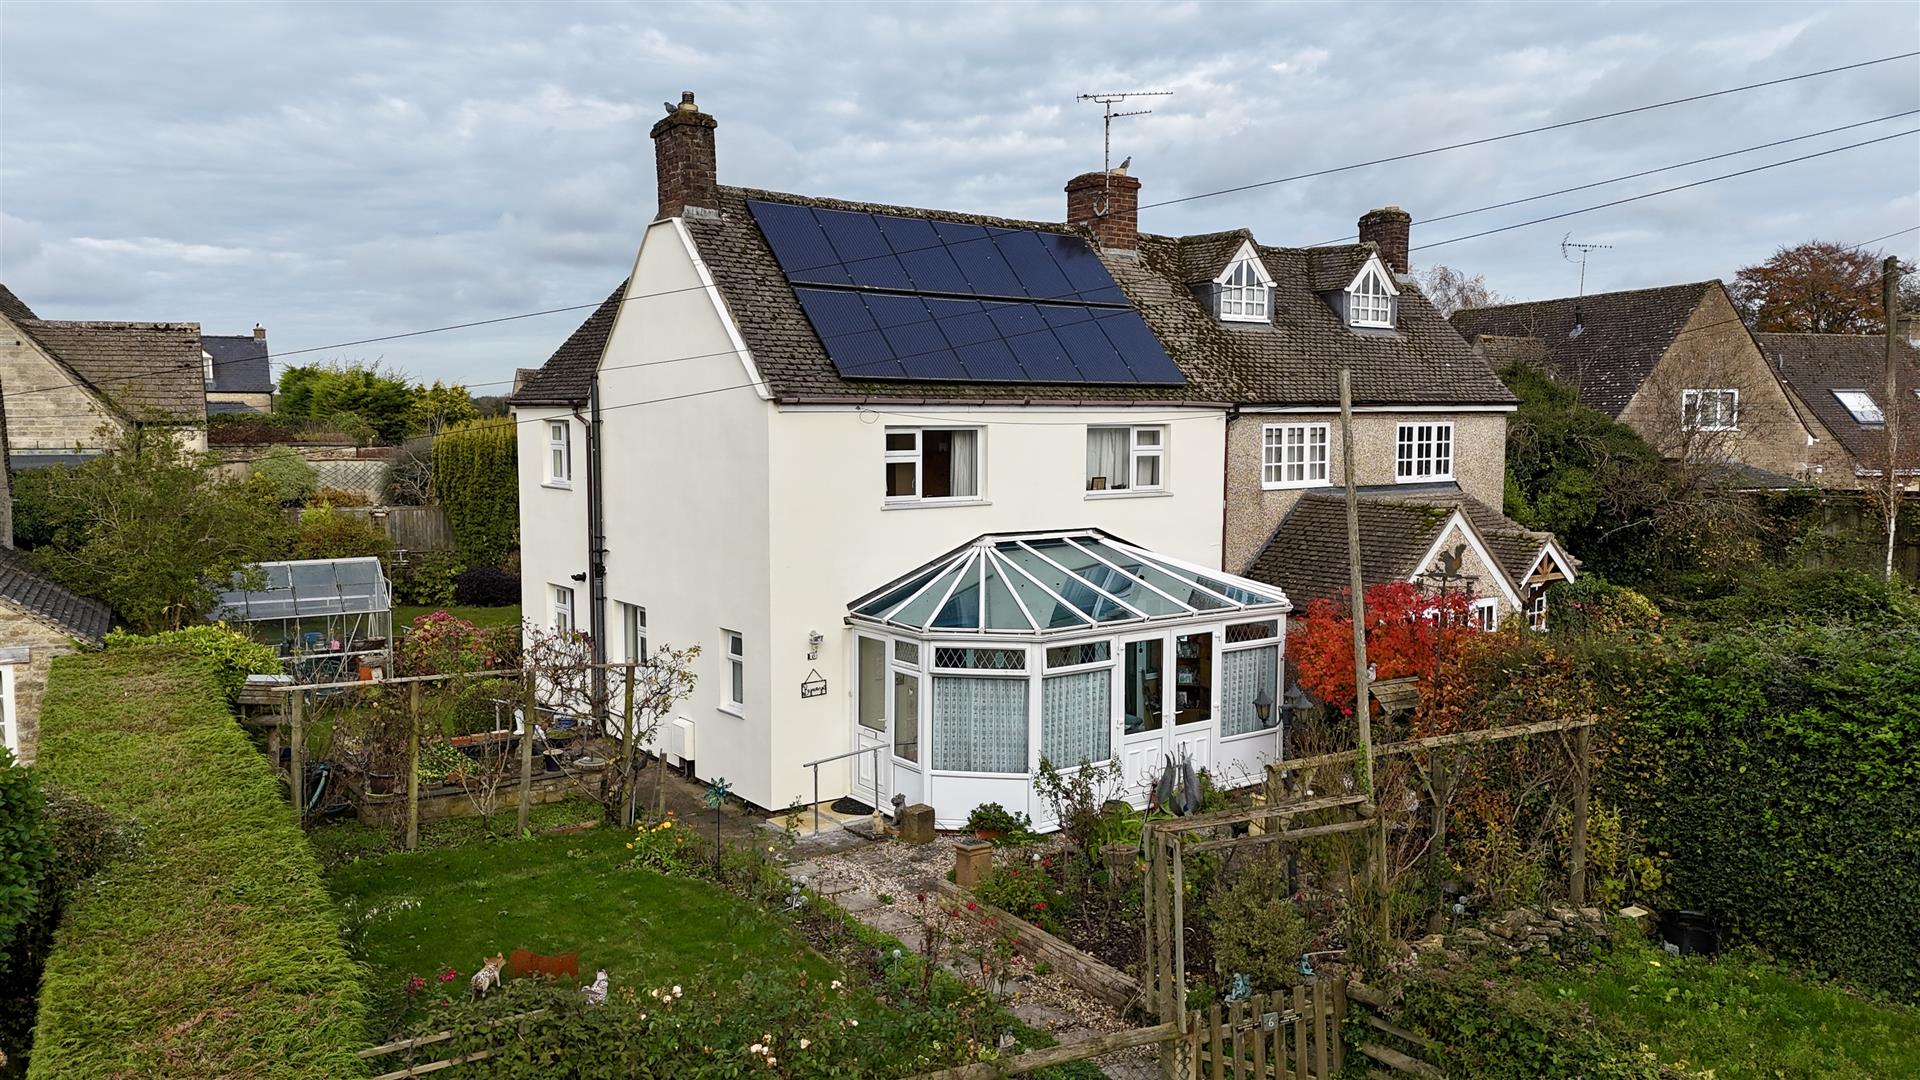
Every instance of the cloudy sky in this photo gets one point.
(338, 171)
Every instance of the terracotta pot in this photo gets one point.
(987, 834)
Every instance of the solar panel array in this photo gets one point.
(905, 298)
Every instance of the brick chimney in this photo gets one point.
(683, 158)
(1109, 204)
(1388, 227)
(259, 332)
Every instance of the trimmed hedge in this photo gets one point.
(216, 951)
(1775, 774)
(476, 479)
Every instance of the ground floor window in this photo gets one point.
(979, 724)
(562, 610)
(1076, 718)
(1537, 609)
(1244, 673)
(9, 720)
(1485, 615)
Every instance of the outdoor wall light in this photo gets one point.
(1263, 707)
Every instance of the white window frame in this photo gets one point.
(9, 714)
(1692, 404)
(1244, 290)
(917, 458)
(1372, 298)
(559, 454)
(633, 632)
(562, 619)
(1485, 614)
(1408, 458)
(1857, 402)
(1137, 453)
(733, 646)
(1278, 443)
(1537, 610)
(206, 360)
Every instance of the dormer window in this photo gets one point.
(1245, 291)
(1372, 298)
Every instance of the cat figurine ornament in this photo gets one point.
(488, 977)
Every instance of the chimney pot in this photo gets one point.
(1109, 204)
(1388, 228)
(684, 163)
(259, 332)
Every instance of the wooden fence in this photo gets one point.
(411, 528)
(1278, 1036)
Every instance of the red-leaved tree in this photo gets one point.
(1408, 630)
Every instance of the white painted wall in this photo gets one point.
(553, 520)
(835, 539)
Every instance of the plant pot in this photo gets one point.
(383, 783)
(988, 835)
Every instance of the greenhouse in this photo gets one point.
(326, 617)
(1076, 646)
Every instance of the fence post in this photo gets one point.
(527, 719)
(1582, 783)
(627, 779)
(413, 765)
(299, 759)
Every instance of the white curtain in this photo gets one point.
(979, 725)
(966, 464)
(1107, 453)
(1076, 718)
(1244, 673)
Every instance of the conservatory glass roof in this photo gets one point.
(1056, 582)
(311, 587)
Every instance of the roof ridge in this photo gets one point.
(857, 206)
(119, 324)
(1594, 295)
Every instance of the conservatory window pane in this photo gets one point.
(920, 611)
(879, 606)
(1141, 675)
(1076, 718)
(1003, 613)
(979, 725)
(1049, 611)
(1243, 674)
(873, 684)
(962, 609)
(906, 716)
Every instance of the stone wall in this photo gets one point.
(43, 644)
(46, 409)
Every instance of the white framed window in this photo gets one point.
(736, 650)
(559, 453)
(1293, 455)
(932, 464)
(1126, 458)
(1861, 405)
(1423, 451)
(633, 633)
(1245, 291)
(1485, 614)
(206, 361)
(1710, 410)
(9, 719)
(1537, 609)
(562, 610)
(1371, 298)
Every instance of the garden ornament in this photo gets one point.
(597, 992)
(1241, 987)
(487, 977)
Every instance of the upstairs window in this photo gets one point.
(929, 464)
(1293, 455)
(1710, 410)
(1862, 406)
(1423, 452)
(1125, 458)
(559, 453)
(1245, 291)
(1371, 298)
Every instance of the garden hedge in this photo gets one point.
(1774, 773)
(476, 479)
(216, 950)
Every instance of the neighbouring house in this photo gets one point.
(944, 491)
(72, 387)
(1674, 363)
(38, 622)
(1839, 384)
(239, 371)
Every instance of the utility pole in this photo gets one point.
(1363, 711)
(1890, 298)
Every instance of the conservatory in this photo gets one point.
(1076, 647)
(322, 615)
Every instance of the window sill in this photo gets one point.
(1255, 734)
(1434, 479)
(557, 485)
(733, 710)
(1151, 493)
(1294, 485)
(929, 504)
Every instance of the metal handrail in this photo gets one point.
(815, 766)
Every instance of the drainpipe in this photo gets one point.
(596, 554)
(1226, 474)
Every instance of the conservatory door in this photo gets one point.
(870, 715)
(1143, 712)
(1193, 699)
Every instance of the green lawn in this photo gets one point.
(404, 614)
(412, 914)
(1743, 1018)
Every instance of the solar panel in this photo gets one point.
(905, 298)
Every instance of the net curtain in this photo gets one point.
(1076, 718)
(980, 725)
(1244, 673)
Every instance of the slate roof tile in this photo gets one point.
(1623, 335)
(241, 363)
(25, 589)
(13, 307)
(567, 376)
(1815, 365)
(147, 371)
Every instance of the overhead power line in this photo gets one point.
(1527, 131)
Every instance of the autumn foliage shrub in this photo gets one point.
(1407, 630)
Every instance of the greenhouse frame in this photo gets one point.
(321, 615)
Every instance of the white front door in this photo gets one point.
(870, 716)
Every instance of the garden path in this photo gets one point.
(878, 882)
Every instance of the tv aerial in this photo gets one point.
(1568, 247)
(1107, 102)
